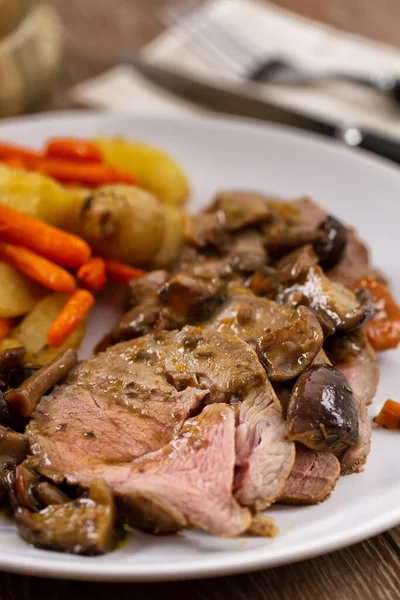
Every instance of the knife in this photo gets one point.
(232, 100)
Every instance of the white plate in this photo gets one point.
(359, 189)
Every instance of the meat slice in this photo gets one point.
(353, 460)
(264, 456)
(355, 263)
(113, 409)
(132, 399)
(313, 477)
(362, 373)
(189, 482)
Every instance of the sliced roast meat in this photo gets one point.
(321, 413)
(355, 264)
(83, 526)
(313, 477)
(354, 458)
(125, 402)
(236, 209)
(264, 456)
(189, 482)
(114, 408)
(354, 356)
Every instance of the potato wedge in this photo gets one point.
(9, 342)
(155, 170)
(33, 194)
(32, 331)
(18, 294)
(174, 226)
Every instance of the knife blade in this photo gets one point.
(232, 100)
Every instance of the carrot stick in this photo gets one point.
(74, 149)
(93, 273)
(13, 150)
(384, 330)
(121, 272)
(389, 416)
(92, 175)
(69, 318)
(51, 242)
(38, 268)
(5, 327)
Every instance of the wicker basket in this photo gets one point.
(30, 53)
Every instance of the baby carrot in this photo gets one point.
(121, 272)
(15, 162)
(93, 273)
(384, 330)
(74, 149)
(69, 318)
(92, 175)
(389, 416)
(15, 151)
(51, 242)
(5, 327)
(38, 268)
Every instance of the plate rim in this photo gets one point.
(254, 559)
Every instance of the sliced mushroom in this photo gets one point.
(331, 242)
(83, 526)
(336, 307)
(24, 398)
(47, 494)
(207, 230)
(321, 412)
(188, 296)
(236, 210)
(288, 351)
(13, 447)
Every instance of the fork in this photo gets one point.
(236, 53)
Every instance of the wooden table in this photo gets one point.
(95, 31)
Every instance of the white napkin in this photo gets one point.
(276, 32)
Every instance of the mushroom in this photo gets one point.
(336, 307)
(331, 242)
(321, 413)
(289, 350)
(82, 526)
(341, 347)
(239, 209)
(24, 398)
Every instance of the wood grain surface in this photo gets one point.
(96, 31)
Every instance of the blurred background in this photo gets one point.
(47, 47)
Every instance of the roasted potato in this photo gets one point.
(32, 331)
(174, 226)
(8, 342)
(33, 194)
(123, 222)
(18, 294)
(155, 170)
